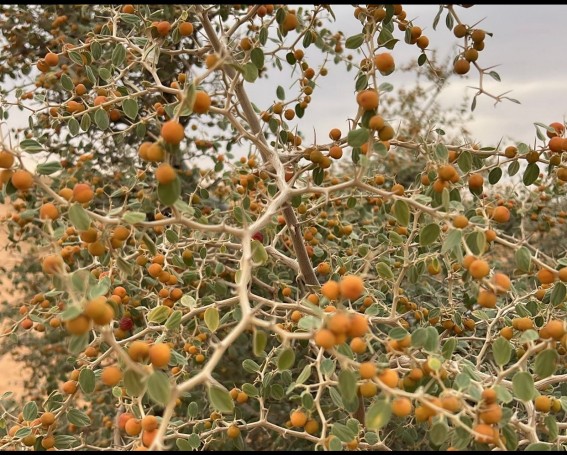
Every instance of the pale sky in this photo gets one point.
(528, 44)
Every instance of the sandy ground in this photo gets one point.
(11, 372)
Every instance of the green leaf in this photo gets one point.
(73, 125)
(280, 93)
(78, 343)
(531, 174)
(130, 108)
(347, 385)
(134, 217)
(495, 175)
(169, 193)
(78, 418)
(259, 342)
(465, 161)
(476, 242)
(550, 422)
(361, 82)
(76, 57)
(513, 168)
(286, 359)
(159, 388)
(183, 445)
(558, 294)
(452, 241)
(158, 314)
(378, 414)
(212, 319)
(449, 347)
(67, 83)
(418, 337)
(358, 137)
(502, 351)
(23, 432)
(401, 212)
(438, 433)
(134, 383)
(174, 320)
(30, 411)
(441, 152)
(546, 363)
(79, 217)
(538, 447)
(398, 333)
(432, 341)
(259, 254)
(250, 72)
(101, 119)
(48, 168)
(250, 366)
(344, 433)
(85, 122)
(355, 41)
(523, 386)
(87, 380)
(220, 399)
(304, 375)
(118, 55)
(257, 57)
(31, 146)
(523, 259)
(429, 234)
(384, 271)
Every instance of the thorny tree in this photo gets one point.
(304, 296)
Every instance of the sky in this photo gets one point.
(528, 46)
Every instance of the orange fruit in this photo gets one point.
(460, 221)
(325, 338)
(501, 214)
(52, 264)
(385, 63)
(368, 389)
(165, 173)
(339, 323)
(6, 159)
(148, 437)
(47, 419)
(79, 325)
(502, 282)
(358, 345)
(149, 423)
(545, 276)
(111, 376)
(83, 193)
(51, 59)
(48, 211)
(367, 370)
(160, 355)
(491, 413)
(138, 350)
(389, 377)
(543, 403)
(298, 418)
(290, 22)
(133, 427)
(22, 180)
(202, 102)
(401, 406)
(368, 99)
(351, 287)
(172, 132)
(331, 290)
(486, 434)
(358, 325)
(479, 269)
(163, 28)
(185, 28)
(233, 432)
(486, 299)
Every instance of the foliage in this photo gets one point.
(386, 288)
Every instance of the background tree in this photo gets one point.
(302, 296)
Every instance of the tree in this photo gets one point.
(303, 296)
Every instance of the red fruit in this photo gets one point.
(126, 323)
(258, 236)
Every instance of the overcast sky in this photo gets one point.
(528, 44)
